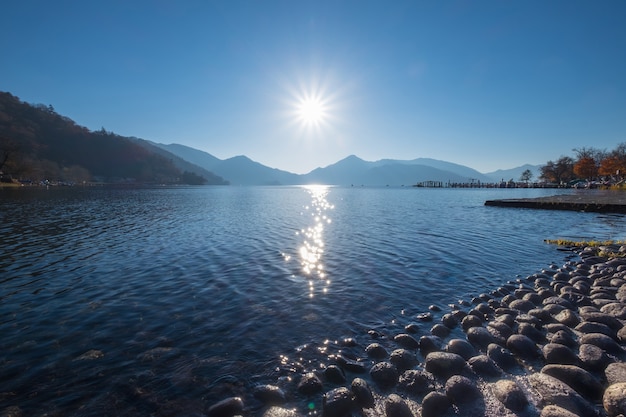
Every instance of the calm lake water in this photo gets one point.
(163, 301)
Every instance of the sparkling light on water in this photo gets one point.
(312, 249)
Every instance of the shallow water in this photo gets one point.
(162, 301)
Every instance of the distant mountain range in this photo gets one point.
(36, 143)
(352, 170)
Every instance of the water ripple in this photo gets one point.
(179, 297)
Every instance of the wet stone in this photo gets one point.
(528, 319)
(580, 380)
(444, 364)
(449, 320)
(483, 365)
(428, 344)
(461, 347)
(614, 399)
(415, 382)
(334, 374)
(480, 337)
(531, 332)
(470, 321)
(228, 407)
(559, 301)
(593, 358)
(568, 318)
(599, 317)
(424, 317)
(506, 318)
(523, 346)
(602, 341)
(309, 384)
(440, 330)
(280, 412)
(461, 389)
(337, 402)
(376, 351)
(534, 298)
(615, 372)
(269, 394)
(502, 357)
(591, 327)
(621, 335)
(521, 305)
(555, 353)
(556, 411)
(617, 310)
(435, 404)
(407, 341)
(553, 309)
(510, 395)
(396, 406)
(350, 365)
(502, 330)
(403, 359)
(552, 391)
(412, 328)
(362, 393)
(564, 338)
(542, 314)
(384, 374)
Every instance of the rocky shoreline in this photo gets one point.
(548, 345)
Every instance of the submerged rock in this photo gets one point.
(362, 393)
(309, 384)
(228, 407)
(337, 402)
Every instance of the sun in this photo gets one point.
(311, 111)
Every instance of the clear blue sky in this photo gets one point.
(487, 84)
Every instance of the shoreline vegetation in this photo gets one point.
(547, 345)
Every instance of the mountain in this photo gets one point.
(183, 164)
(352, 170)
(355, 171)
(37, 144)
(515, 173)
(241, 170)
(238, 170)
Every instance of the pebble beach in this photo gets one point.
(547, 345)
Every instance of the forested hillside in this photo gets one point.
(38, 144)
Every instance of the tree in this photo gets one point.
(586, 168)
(526, 176)
(9, 150)
(615, 161)
(560, 171)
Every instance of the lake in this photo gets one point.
(162, 301)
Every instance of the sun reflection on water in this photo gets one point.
(312, 249)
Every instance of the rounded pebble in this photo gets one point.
(337, 402)
(510, 395)
(362, 393)
(614, 399)
(444, 364)
(461, 389)
(384, 374)
(435, 404)
(396, 406)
